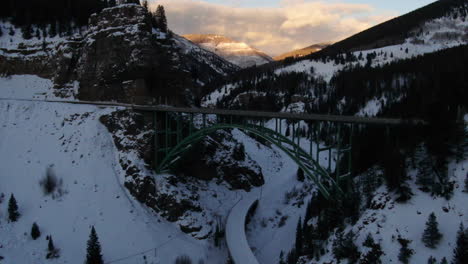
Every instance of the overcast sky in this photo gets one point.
(277, 26)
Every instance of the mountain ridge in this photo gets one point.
(238, 53)
(303, 52)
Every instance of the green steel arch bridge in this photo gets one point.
(177, 130)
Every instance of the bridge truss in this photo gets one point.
(177, 130)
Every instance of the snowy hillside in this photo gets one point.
(238, 53)
(71, 141)
(388, 220)
(434, 35)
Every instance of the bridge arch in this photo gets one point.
(304, 160)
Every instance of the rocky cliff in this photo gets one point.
(120, 56)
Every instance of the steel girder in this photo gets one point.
(312, 169)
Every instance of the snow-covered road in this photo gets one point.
(236, 238)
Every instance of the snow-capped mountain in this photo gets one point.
(236, 52)
(302, 52)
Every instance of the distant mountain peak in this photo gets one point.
(236, 52)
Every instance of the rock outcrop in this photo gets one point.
(119, 57)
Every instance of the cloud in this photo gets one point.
(294, 24)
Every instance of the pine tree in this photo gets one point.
(53, 29)
(112, 3)
(13, 213)
(444, 261)
(93, 255)
(52, 252)
(344, 247)
(466, 183)
(300, 175)
(460, 253)
(51, 246)
(431, 236)
(425, 176)
(299, 242)
(405, 252)
(161, 19)
(292, 257)
(373, 255)
(281, 258)
(35, 232)
(432, 260)
(145, 4)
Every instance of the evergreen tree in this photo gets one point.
(35, 232)
(345, 248)
(405, 252)
(425, 176)
(27, 31)
(300, 175)
(145, 5)
(93, 255)
(466, 183)
(52, 252)
(13, 213)
(431, 236)
(1, 32)
(281, 258)
(460, 253)
(292, 257)
(432, 260)
(299, 242)
(160, 16)
(112, 3)
(444, 261)
(53, 29)
(373, 255)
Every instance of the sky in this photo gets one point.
(278, 26)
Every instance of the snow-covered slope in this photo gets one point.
(70, 139)
(238, 53)
(389, 220)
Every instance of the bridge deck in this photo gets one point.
(279, 115)
(253, 114)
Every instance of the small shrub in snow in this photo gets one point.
(288, 196)
(183, 260)
(13, 213)
(239, 152)
(35, 232)
(431, 236)
(282, 221)
(49, 182)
